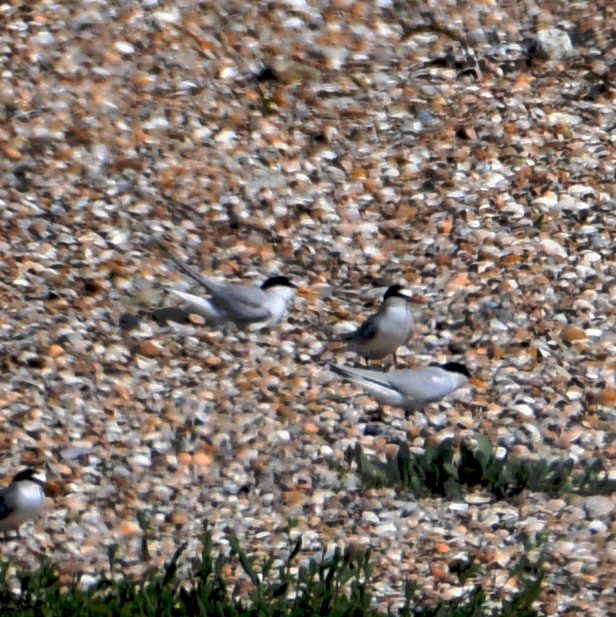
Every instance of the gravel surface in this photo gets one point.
(348, 145)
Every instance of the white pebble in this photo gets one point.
(124, 47)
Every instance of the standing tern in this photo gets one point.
(382, 333)
(411, 389)
(21, 501)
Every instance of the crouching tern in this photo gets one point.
(411, 389)
(382, 333)
(243, 305)
(21, 501)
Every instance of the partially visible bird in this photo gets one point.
(244, 305)
(382, 333)
(411, 389)
(21, 501)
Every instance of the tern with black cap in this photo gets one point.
(411, 389)
(389, 328)
(21, 501)
(244, 305)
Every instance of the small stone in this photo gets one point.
(87, 581)
(124, 47)
(129, 529)
(140, 460)
(293, 498)
(552, 44)
(572, 334)
(598, 506)
(370, 517)
(597, 527)
(386, 529)
(605, 397)
(170, 313)
(477, 499)
(55, 350)
(150, 349)
(129, 321)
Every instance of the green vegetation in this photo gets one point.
(444, 470)
(337, 585)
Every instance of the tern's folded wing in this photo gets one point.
(244, 303)
(5, 508)
(365, 333)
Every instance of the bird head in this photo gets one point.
(31, 475)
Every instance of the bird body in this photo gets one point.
(21, 501)
(410, 389)
(244, 305)
(382, 333)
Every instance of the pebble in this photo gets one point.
(598, 506)
(553, 44)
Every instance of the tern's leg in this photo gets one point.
(409, 412)
(377, 415)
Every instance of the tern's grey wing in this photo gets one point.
(363, 376)
(243, 303)
(366, 332)
(395, 380)
(5, 507)
(374, 382)
(428, 384)
(202, 280)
